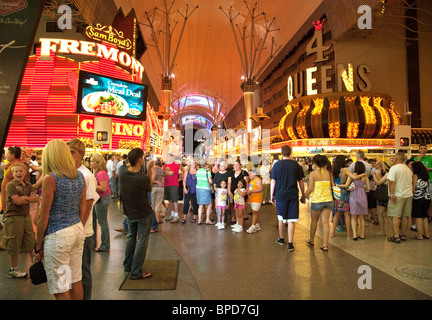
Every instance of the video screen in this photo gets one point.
(110, 97)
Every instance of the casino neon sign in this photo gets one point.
(118, 128)
(86, 48)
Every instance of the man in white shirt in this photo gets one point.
(77, 148)
(399, 207)
(111, 169)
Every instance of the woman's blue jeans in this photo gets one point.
(100, 215)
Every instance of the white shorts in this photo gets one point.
(63, 258)
(255, 206)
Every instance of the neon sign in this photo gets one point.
(67, 46)
(118, 128)
(110, 35)
(304, 82)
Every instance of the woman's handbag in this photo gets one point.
(381, 193)
(37, 273)
(336, 192)
(351, 187)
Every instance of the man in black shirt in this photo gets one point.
(134, 189)
(285, 176)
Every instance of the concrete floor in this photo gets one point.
(222, 265)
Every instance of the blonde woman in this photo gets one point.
(60, 233)
(100, 209)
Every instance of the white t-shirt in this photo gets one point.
(36, 164)
(402, 175)
(238, 198)
(110, 168)
(222, 197)
(91, 194)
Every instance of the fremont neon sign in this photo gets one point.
(99, 50)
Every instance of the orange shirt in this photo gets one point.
(255, 197)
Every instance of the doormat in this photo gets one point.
(164, 276)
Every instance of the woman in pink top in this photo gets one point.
(100, 209)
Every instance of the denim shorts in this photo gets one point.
(322, 205)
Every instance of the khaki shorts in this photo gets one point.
(63, 251)
(19, 234)
(255, 206)
(402, 208)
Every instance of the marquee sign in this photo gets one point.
(86, 48)
(304, 83)
(109, 35)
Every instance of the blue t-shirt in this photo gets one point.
(287, 173)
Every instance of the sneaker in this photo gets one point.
(252, 229)
(257, 227)
(280, 241)
(169, 219)
(238, 229)
(217, 225)
(175, 219)
(221, 226)
(16, 273)
(290, 247)
(234, 226)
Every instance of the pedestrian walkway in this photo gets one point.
(222, 265)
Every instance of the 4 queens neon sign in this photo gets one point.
(86, 48)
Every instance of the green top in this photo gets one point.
(427, 162)
(202, 179)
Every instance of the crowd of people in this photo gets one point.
(73, 195)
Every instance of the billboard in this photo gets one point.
(111, 97)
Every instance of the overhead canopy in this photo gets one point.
(207, 60)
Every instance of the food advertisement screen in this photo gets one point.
(111, 97)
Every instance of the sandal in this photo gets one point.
(403, 237)
(393, 239)
(416, 238)
(310, 243)
(183, 221)
(324, 248)
(193, 220)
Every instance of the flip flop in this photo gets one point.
(310, 243)
(324, 248)
(416, 238)
(145, 275)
